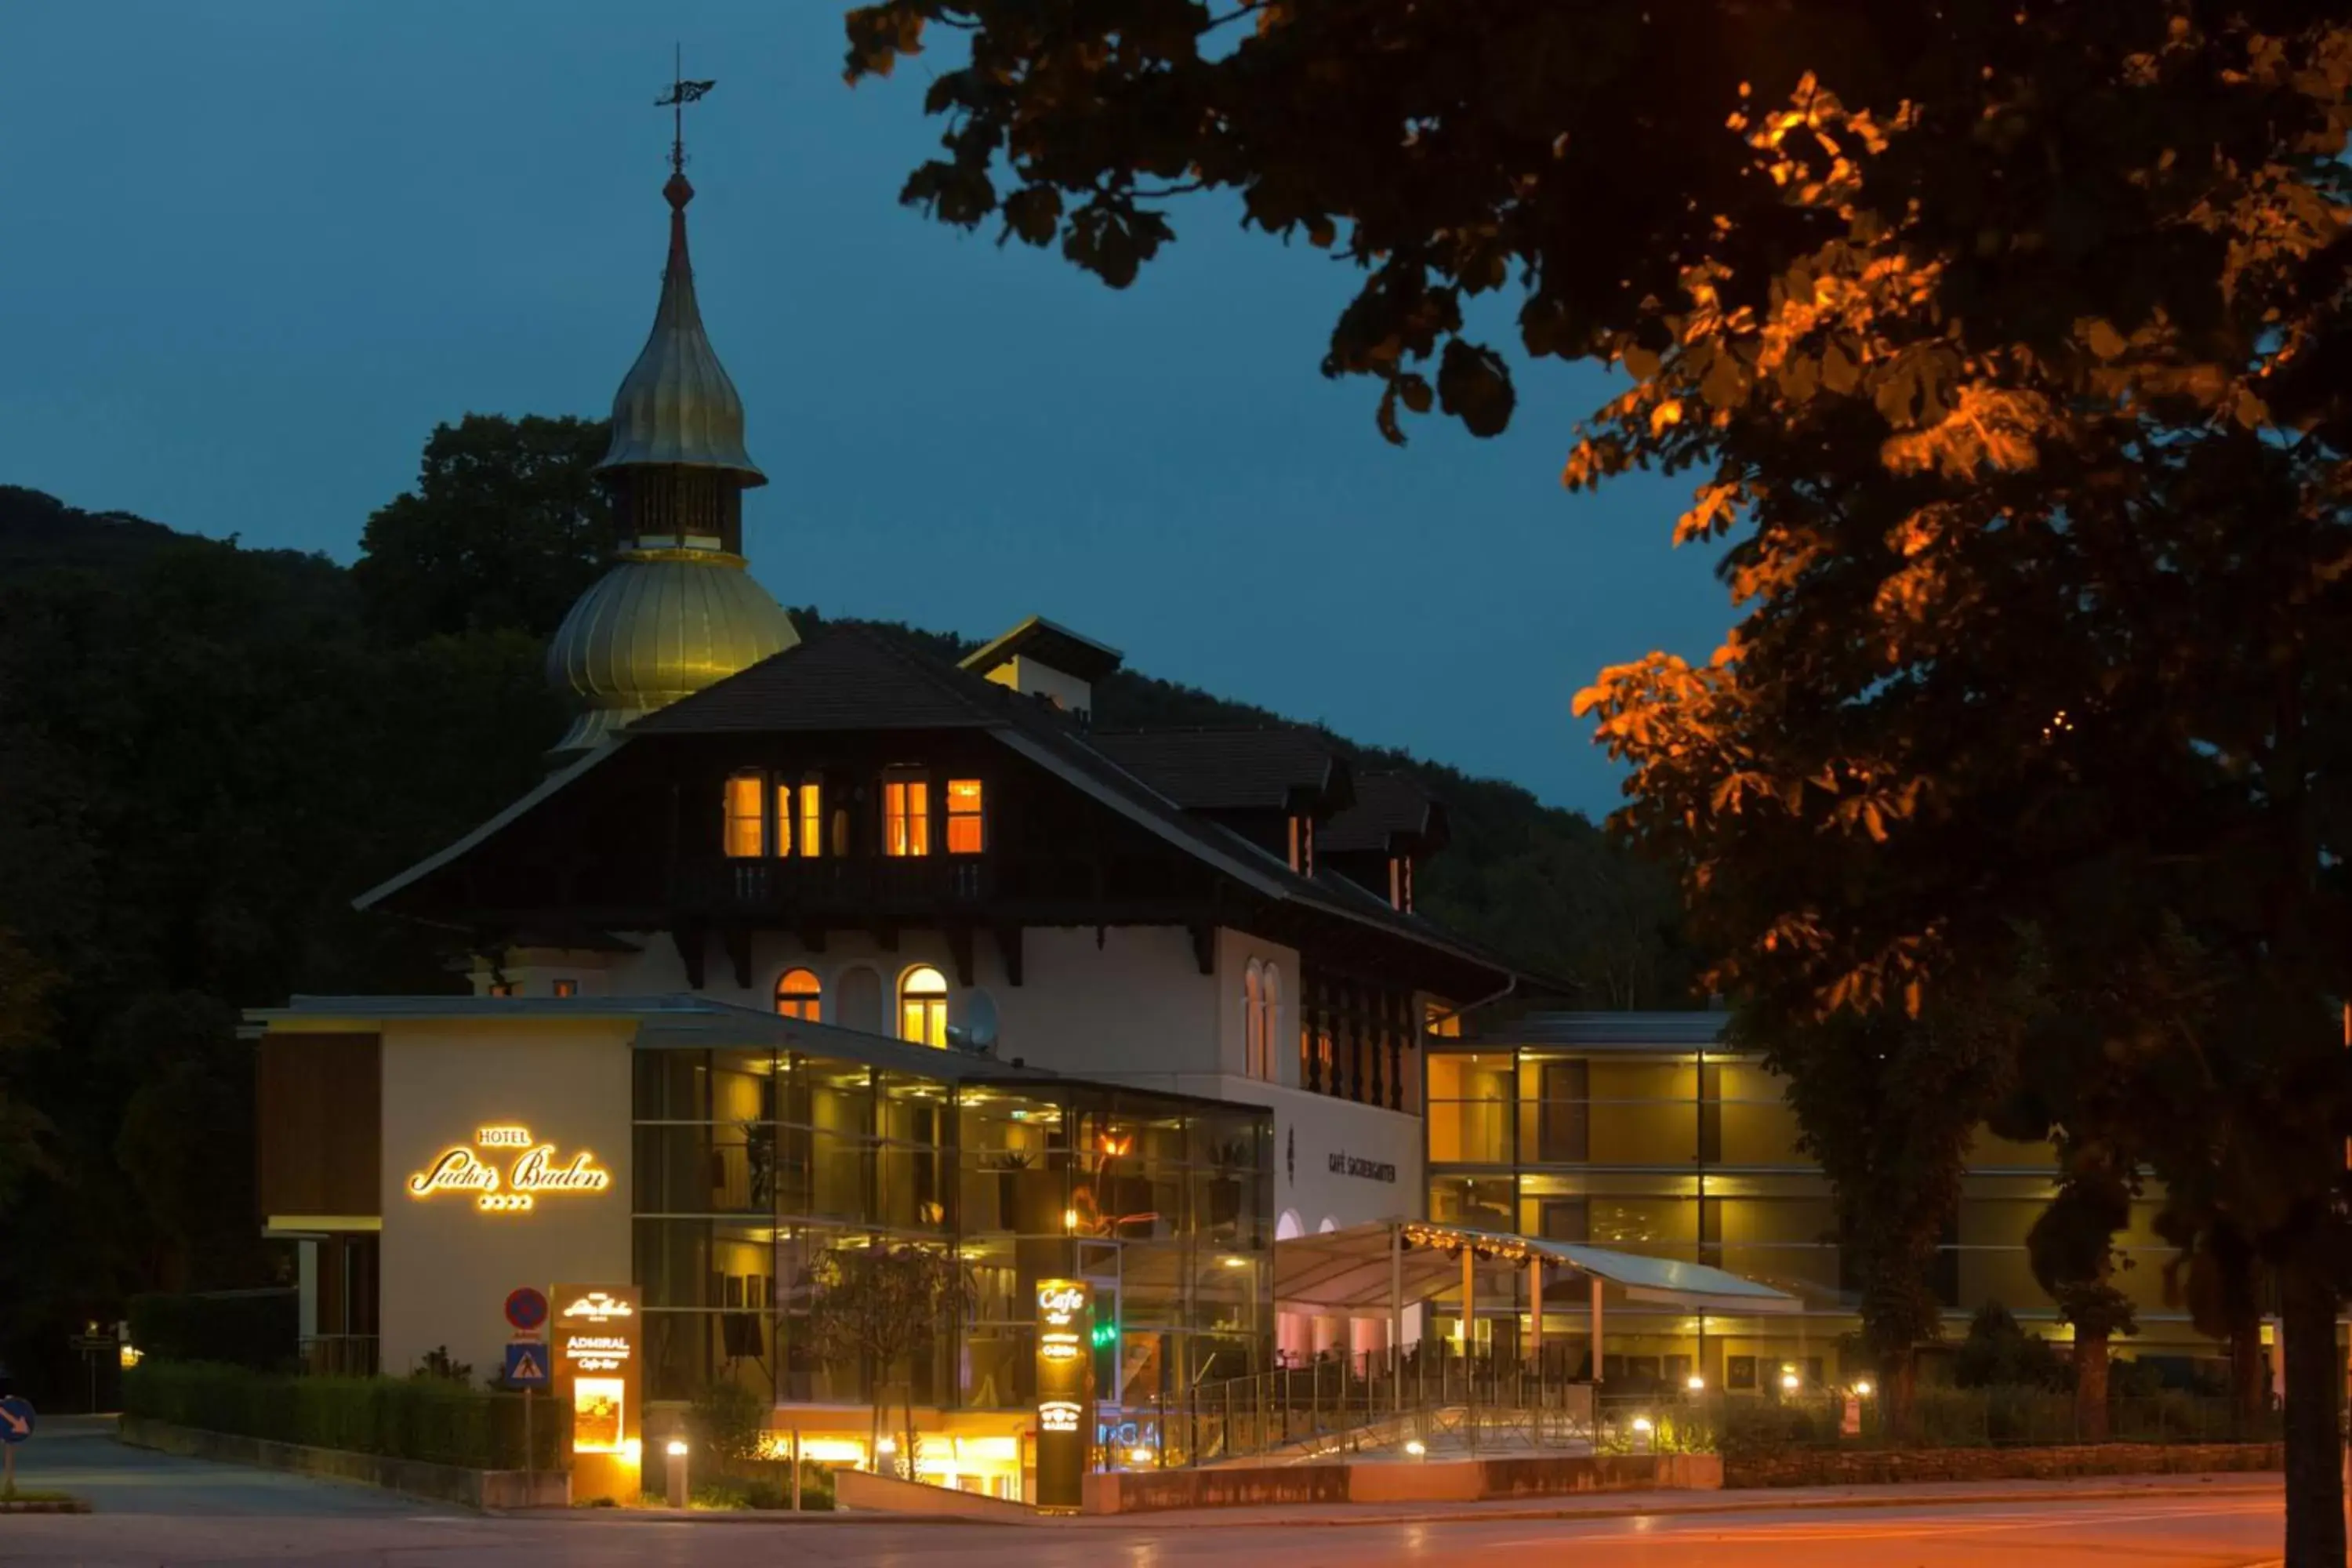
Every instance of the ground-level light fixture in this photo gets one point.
(1642, 1423)
(1862, 1388)
(1139, 1455)
(1696, 1383)
(677, 1449)
(887, 1446)
(1789, 1381)
(1416, 1447)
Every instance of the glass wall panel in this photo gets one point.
(1644, 1112)
(1554, 1110)
(1758, 1127)
(1470, 1108)
(747, 1168)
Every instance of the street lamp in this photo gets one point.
(676, 1452)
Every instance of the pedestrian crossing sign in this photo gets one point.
(527, 1365)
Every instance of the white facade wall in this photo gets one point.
(445, 1265)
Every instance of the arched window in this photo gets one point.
(1252, 1023)
(923, 1007)
(1270, 1017)
(799, 996)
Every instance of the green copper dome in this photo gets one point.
(661, 625)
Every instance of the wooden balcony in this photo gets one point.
(848, 888)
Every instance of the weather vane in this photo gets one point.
(681, 93)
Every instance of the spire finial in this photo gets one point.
(681, 93)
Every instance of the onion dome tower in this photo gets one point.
(679, 610)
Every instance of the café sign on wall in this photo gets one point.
(507, 1170)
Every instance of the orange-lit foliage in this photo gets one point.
(2006, 348)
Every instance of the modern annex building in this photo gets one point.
(1647, 1133)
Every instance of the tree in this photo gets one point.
(2010, 346)
(25, 1024)
(885, 1307)
(2071, 1249)
(1888, 1105)
(505, 529)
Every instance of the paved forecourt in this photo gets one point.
(154, 1509)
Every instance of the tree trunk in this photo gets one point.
(2314, 1478)
(2249, 1396)
(1898, 1390)
(907, 1408)
(2090, 1387)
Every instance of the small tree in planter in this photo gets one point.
(884, 1305)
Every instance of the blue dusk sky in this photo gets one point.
(258, 249)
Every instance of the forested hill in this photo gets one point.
(206, 751)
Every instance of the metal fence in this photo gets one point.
(1440, 1404)
(1478, 1404)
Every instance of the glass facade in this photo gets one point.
(1678, 1148)
(750, 1163)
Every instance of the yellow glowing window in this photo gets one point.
(799, 995)
(567, 988)
(502, 988)
(596, 1418)
(964, 833)
(746, 816)
(907, 816)
(923, 1007)
(811, 817)
(783, 819)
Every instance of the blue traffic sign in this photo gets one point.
(16, 1419)
(527, 1365)
(525, 1308)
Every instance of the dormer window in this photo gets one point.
(967, 825)
(747, 815)
(1401, 882)
(907, 816)
(1302, 845)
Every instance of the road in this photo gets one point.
(155, 1511)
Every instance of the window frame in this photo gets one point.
(813, 998)
(729, 817)
(907, 814)
(934, 1006)
(978, 816)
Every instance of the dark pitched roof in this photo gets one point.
(1386, 804)
(843, 677)
(1054, 647)
(854, 678)
(1230, 770)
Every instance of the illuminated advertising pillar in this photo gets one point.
(596, 1389)
(1066, 1392)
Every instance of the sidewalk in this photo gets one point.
(1599, 1505)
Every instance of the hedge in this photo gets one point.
(253, 1329)
(427, 1419)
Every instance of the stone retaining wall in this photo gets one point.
(1886, 1466)
(441, 1483)
(1374, 1481)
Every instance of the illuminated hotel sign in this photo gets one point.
(595, 1341)
(1066, 1392)
(531, 1168)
